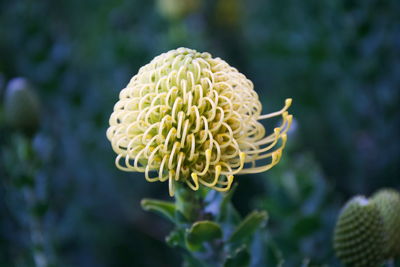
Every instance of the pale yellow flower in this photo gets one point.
(189, 117)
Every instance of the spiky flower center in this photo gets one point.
(189, 117)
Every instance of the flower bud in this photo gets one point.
(359, 236)
(177, 9)
(21, 106)
(388, 202)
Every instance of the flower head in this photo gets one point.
(388, 202)
(189, 117)
(359, 237)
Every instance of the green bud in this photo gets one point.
(388, 202)
(21, 106)
(359, 236)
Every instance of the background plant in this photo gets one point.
(367, 232)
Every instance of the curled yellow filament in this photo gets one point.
(189, 117)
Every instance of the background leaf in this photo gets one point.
(167, 209)
(248, 226)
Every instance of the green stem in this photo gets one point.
(38, 240)
(188, 202)
(191, 204)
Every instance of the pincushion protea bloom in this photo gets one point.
(189, 117)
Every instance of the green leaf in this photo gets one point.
(200, 232)
(241, 258)
(248, 226)
(164, 208)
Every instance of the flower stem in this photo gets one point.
(188, 202)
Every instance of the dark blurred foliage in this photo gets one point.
(338, 60)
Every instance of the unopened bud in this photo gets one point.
(359, 236)
(388, 202)
(21, 106)
(177, 9)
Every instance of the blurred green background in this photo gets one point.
(338, 60)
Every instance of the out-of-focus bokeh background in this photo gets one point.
(338, 60)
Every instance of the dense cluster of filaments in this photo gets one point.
(189, 117)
